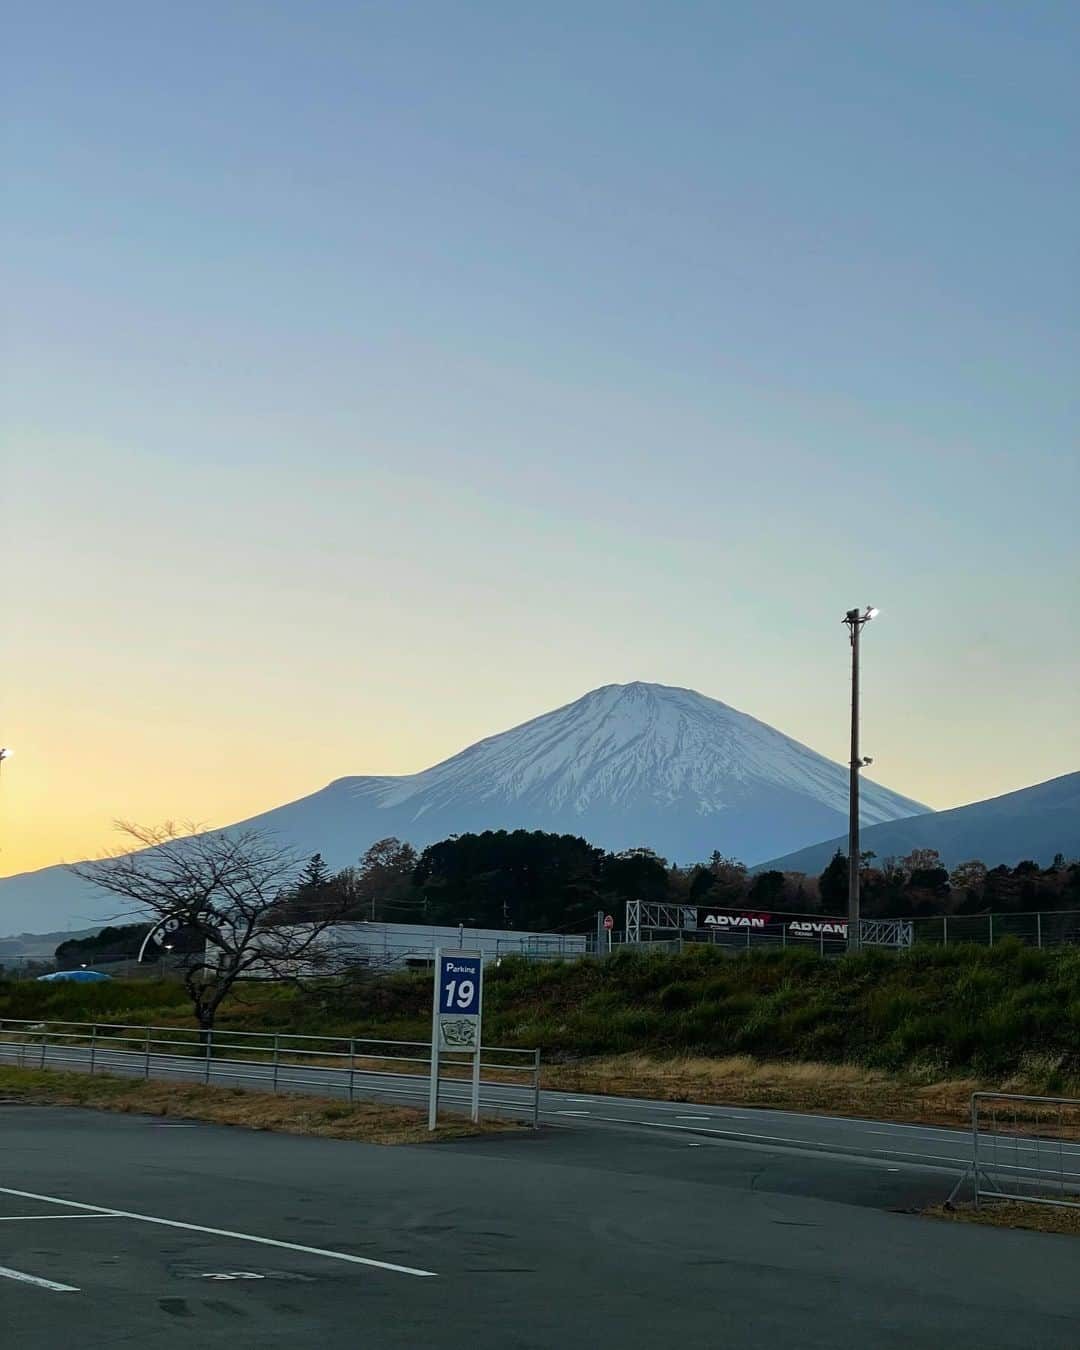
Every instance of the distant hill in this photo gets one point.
(17, 951)
(1035, 822)
(625, 765)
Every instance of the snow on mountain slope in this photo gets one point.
(625, 765)
(624, 741)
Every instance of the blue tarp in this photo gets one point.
(76, 976)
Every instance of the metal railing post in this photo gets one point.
(944, 930)
(536, 1090)
(975, 1146)
(1038, 929)
(991, 918)
(146, 1065)
(277, 1058)
(44, 1042)
(209, 1052)
(352, 1069)
(93, 1046)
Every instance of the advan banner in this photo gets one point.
(760, 921)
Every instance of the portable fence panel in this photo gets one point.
(1025, 1148)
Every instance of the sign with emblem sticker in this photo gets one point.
(456, 1012)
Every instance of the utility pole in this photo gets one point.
(855, 622)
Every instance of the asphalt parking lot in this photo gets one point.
(128, 1231)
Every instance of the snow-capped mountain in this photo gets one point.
(625, 765)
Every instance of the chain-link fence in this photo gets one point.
(1047, 928)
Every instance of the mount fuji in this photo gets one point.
(625, 765)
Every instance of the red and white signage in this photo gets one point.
(796, 925)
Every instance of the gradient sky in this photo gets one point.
(380, 375)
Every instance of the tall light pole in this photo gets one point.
(855, 622)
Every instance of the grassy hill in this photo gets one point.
(991, 1012)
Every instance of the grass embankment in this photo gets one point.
(369, 1122)
(905, 1036)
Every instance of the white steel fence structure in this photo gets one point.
(674, 926)
(1024, 1148)
(649, 923)
(344, 1067)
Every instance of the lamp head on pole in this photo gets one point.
(856, 620)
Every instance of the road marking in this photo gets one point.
(221, 1232)
(10, 1274)
(571, 1113)
(40, 1218)
(935, 1161)
(693, 1117)
(938, 1162)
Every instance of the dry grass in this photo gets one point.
(371, 1122)
(830, 1089)
(1012, 1214)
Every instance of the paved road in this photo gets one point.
(158, 1235)
(904, 1145)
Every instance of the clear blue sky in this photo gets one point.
(381, 375)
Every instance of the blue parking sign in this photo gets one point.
(459, 984)
(456, 1006)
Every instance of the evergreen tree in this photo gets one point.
(635, 874)
(519, 879)
(767, 889)
(833, 885)
(315, 874)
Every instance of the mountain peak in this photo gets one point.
(624, 765)
(641, 746)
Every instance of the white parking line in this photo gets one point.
(219, 1232)
(9, 1274)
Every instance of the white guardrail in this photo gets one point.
(333, 1066)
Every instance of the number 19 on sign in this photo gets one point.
(455, 1019)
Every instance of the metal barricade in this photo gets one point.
(1024, 1148)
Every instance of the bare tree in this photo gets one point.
(233, 891)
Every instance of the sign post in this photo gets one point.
(457, 1001)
